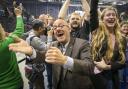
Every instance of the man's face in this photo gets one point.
(44, 18)
(41, 30)
(75, 21)
(61, 31)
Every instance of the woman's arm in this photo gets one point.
(86, 8)
(94, 20)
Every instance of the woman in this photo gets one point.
(124, 28)
(124, 71)
(10, 77)
(108, 47)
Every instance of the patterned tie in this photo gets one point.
(62, 48)
(49, 71)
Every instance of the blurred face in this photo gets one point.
(75, 21)
(50, 21)
(61, 31)
(110, 18)
(41, 30)
(124, 29)
(44, 18)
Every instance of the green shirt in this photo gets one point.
(10, 77)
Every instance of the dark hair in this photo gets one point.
(36, 24)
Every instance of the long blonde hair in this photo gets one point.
(2, 33)
(103, 34)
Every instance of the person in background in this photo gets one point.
(124, 71)
(124, 16)
(10, 77)
(107, 48)
(124, 29)
(79, 24)
(44, 18)
(48, 21)
(36, 42)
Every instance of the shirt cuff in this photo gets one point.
(69, 64)
(96, 70)
(49, 39)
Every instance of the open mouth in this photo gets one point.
(75, 23)
(60, 34)
(111, 21)
(125, 30)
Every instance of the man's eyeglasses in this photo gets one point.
(60, 26)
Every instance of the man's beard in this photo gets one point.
(75, 28)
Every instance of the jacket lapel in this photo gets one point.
(56, 75)
(68, 52)
(56, 69)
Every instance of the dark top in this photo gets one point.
(82, 32)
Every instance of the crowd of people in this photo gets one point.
(70, 52)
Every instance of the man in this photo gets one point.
(38, 29)
(36, 42)
(79, 30)
(71, 65)
(79, 24)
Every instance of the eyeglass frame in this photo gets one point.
(59, 26)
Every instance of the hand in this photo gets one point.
(55, 56)
(21, 46)
(50, 32)
(102, 65)
(18, 11)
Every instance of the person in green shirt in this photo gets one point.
(10, 77)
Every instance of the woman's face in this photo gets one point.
(110, 18)
(124, 29)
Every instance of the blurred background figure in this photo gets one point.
(124, 71)
(124, 16)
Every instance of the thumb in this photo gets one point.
(95, 63)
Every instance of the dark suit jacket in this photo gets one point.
(78, 77)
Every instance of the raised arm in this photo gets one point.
(86, 9)
(94, 20)
(18, 31)
(99, 12)
(19, 23)
(63, 10)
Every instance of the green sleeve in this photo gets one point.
(19, 27)
(17, 32)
